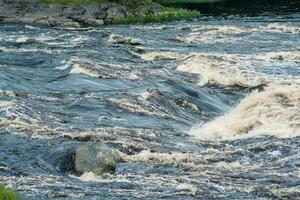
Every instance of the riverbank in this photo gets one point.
(83, 13)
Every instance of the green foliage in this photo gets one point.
(7, 194)
(168, 14)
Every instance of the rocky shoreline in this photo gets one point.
(73, 16)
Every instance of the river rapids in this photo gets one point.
(204, 109)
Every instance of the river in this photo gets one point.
(205, 109)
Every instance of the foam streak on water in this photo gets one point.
(204, 109)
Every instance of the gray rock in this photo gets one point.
(63, 22)
(97, 158)
(96, 11)
(75, 11)
(146, 9)
(43, 23)
(71, 16)
(95, 22)
(115, 10)
(50, 9)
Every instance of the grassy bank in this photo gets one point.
(167, 14)
(7, 194)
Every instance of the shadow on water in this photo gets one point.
(243, 7)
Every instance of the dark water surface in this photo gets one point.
(208, 109)
(242, 7)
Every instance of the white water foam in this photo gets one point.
(215, 34)
(87, 177)
(282, 28)
(96, 69)
(275, 112)
(79, 69)
(224, 34)
(225, 70)
(162, 55)
(284, 56)
(241, 69)
(3, 49)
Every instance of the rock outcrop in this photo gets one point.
(58, 15)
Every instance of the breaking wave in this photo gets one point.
(241, 70)
(275, 112)
(162, 55)
(224, 70)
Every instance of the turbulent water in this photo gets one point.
(208, 109)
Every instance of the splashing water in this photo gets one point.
(207, 109)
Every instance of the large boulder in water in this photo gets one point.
(97, 158)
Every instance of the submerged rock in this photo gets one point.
(97, 158)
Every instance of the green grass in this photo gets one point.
(7, 194)
(168, 14)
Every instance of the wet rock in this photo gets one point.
(96, 22)
(63, 159)
(107, 21)
(87, 21)
(118, 39)
(43, 23)
(97, 158)
(187, 104)
(63, 22)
